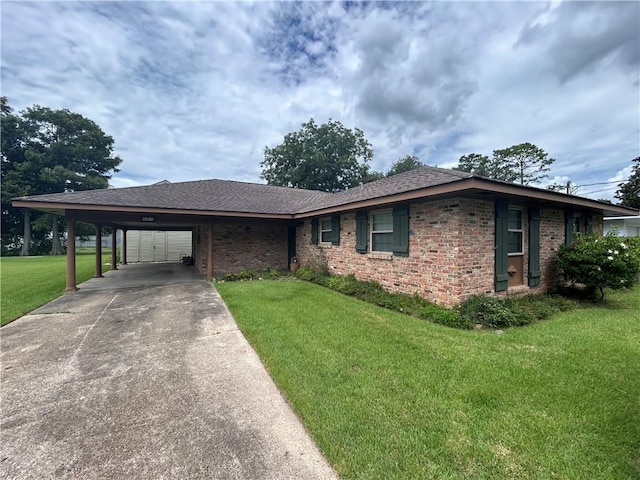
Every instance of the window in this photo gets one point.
(582, 224)
(382, 231)
(515, 233)
(326, 230)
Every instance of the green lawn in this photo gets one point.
(29, 282)
(388, 396)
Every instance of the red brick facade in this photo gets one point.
(451, 251)
(242, 246)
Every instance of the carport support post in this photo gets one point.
(123, 247)
(71, 255)
(114, 233)
(98, 251)
(209, 253)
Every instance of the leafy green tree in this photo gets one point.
(17, 175)
(372, 176)
(327, 157)
(52, 151)
(524, 163)
(528, 162)
(405, 164)
(478, 165)
(629, 192)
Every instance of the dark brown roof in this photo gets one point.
(417, 179)
(202, 195)
(226, 197)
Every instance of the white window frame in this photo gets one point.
(517, 230)
(322, 231)
(372, 232)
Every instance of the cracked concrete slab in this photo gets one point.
(143, 376)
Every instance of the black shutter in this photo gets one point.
(534, 247)
(314, 231)
(569, 223)
(361, 232)
(589, 225)
(502, 259)
(401, 231)
(335, 230)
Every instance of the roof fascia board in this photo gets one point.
(471, 185)
(172, 211)
(538, 194)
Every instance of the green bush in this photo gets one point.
(251, 275)
(479, 309)
(372, 292)
(601, 262)
(445, 316)
(489, 312)
(538, 307)
(309, 274)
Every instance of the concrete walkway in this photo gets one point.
(143, 374)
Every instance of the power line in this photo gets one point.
(600, 183)
(596, 191)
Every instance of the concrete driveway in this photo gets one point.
(144, 374)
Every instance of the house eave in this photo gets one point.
(477, 187)
(62, 208)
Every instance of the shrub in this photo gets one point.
(601, 262)
(251, 275)
(489, 312)
(479, 309)
(308, 274)
(372, 292)
(444, 316)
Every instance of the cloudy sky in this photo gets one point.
(195, 90)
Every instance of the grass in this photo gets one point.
(390, 396)
(29, 282)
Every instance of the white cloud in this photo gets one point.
(197, 90)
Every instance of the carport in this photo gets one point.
(142, 219)
(234, 225)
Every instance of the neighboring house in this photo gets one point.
(624, 226)
(442, 234)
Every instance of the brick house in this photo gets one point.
(441, 233)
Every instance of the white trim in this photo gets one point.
(371, 231)
(516, 230)
(321, 231)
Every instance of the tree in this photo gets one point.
(524, 163)
(528, 162)
(4, 106)
(328, 157)
(405, 164)
(629, 192)
(52, 151)
(16, 174)
(478, 165)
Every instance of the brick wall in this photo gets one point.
(242, 246)
(451, 251)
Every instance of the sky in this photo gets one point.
(197, 90)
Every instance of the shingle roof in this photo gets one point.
(417, 179)
(229, 197)
(232, 196)
(210, 195)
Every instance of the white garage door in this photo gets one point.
(157, 246)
